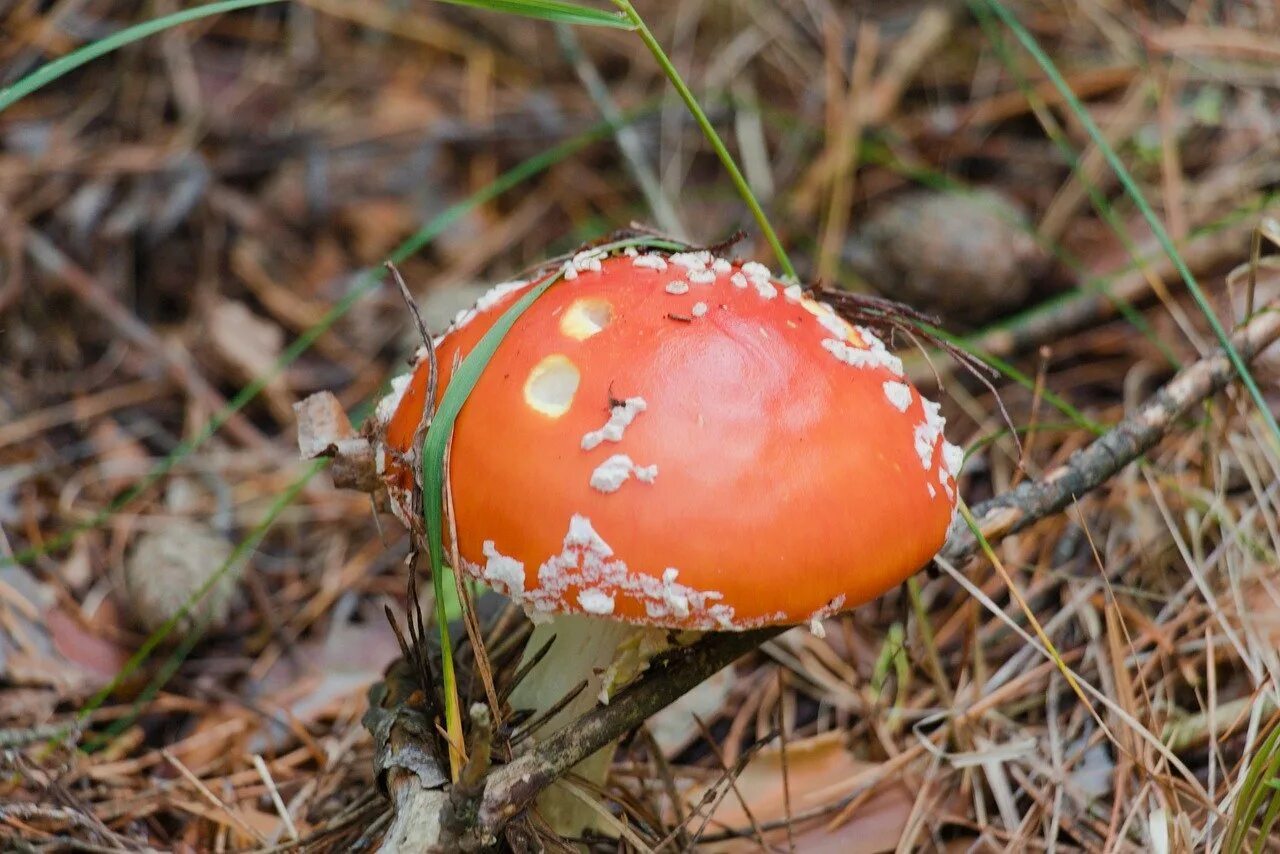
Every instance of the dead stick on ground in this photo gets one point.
(510, 788)
(1131, 438)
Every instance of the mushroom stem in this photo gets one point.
(591, 649)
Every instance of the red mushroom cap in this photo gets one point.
(683, 441)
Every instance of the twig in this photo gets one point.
(216, 802)
(1131, 438)
(512, 787)
(281, 809)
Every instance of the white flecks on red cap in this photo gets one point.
(899, 394)
(765, 288)
(952, 457)
(827, 317)
(699, 309)
(620, 418)
(928, 432)
(676, 601)
(388, 405)
(677, 287)
(720, 265)
(926, 437)
(738, 280)
(650, 262)
(892, 362)
(691, 260)
(702, 277)
(488, 300)
(588, 261)
(497, 293)
(860, 357)
(595, 602)
(826, 611)
(504, 574)
(588, 565)
(613, 472)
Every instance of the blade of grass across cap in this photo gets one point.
(1131, 189)
(709, 131)
(550, 10)
(365, 282)
(51, 71)
(434, 448)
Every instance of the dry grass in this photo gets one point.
(172, 216)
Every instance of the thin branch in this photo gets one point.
(1089, 467)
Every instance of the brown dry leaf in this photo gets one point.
(324, 675)
(324, 430)
(675, 727)
(41, 644)
(322, 424)
(816, 769)
(87, 644)
(249, 346)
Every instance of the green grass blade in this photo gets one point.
(51, 71)
(1046, 64)
(433, 453)
(1253, 793)
(550, 10)
(435, 446)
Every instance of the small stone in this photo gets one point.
(168, 566)
(968, 257)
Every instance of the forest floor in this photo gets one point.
(192, 230)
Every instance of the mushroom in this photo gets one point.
(674, 440)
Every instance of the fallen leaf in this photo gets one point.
(820, 771)
(250, 346)
(675, 727)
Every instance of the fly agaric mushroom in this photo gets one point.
(680, 441)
